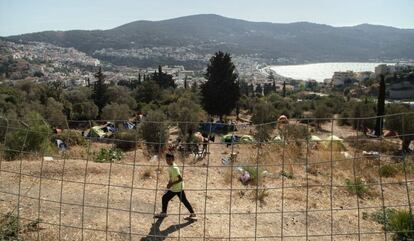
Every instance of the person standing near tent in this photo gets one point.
(175, 187)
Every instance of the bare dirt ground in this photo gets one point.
(76, 198)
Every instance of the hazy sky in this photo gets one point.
(24, 16)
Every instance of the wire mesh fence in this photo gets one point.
(312, 180)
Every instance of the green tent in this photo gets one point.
(227, 138)
(97, 132)
(247, 139)
(333, 142)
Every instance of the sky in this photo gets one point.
(26, 16)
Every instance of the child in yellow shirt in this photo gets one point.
(175, 187)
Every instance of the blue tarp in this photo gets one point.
(216, 127)
(129, 125)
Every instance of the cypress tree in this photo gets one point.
(220, 92)
(380, 107)
(259, 89)
(185, 82)
(99, 91)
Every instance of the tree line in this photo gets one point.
(157, 95)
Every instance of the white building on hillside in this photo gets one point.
(341, 78)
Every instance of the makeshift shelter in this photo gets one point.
(229, 138)
(129, 125)
(390, 134)
(101, 131)
(247, 139)
(333, 142)
(278, 139)
(216, 127)
(61, 145)
(314, 141)
(96, 132)
(283, 120)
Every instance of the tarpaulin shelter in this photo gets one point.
(333, 142)
(101, 131)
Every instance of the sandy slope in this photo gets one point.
(303, 203)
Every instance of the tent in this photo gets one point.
(230, 138)
(278, 139)
(247, 139)
(216, 127)
(61, 145)
(314, 141)
(129, 125)
(389, 134)
(333, 142)
(101, 131)
(283, 119)
(96, 131)
(314, 138)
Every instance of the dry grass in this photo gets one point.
(379, 145)
(260, 196)
(217, 200)
(148, 173)
(227, 176)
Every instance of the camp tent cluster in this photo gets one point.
(232, 138)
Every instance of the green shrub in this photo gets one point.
(286, 174)
(402, 224)
(383, 216)
(263, 113)
(256, 175)
(115, 111)
(261, 195)
(33, 137)
(71, 138)
(263, 133)
(126, 140)
(295, 132)
(154, 131)
(9, 227)
(110, 155)
(357, 187)
(388, 170)
(363, 110)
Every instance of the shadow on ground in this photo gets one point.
(156, 234)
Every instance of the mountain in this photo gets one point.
(207, 33)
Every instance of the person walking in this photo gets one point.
(175, 187)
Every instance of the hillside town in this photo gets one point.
(44, 62)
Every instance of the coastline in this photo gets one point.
(319, 71)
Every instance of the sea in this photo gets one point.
(321, 71)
